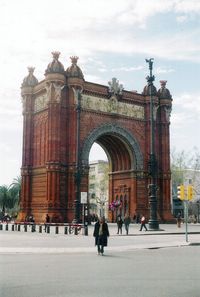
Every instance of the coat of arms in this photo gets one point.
(115, 88)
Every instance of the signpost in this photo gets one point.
(83, 202)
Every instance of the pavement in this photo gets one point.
(168, 235)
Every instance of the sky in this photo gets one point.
(112, 38)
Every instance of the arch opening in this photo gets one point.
(120, 146)
(124, 158)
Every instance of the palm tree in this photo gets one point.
(4, 196)
(17, 184)
(14, 190)
(9, 196)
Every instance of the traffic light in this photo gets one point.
(181, 192)
(190, 192)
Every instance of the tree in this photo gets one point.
(9, 196)
(16, 184)
(4, 196)
(185, 168)
(186, 165)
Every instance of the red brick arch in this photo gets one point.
(118, 121)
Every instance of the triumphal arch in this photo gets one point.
(63, 115)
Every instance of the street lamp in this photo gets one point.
(153, 221)
(78, 160)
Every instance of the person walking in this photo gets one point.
(101, 234)
(119, 224)
(143, 221)
(127, 221)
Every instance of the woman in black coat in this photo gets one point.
(101, 234)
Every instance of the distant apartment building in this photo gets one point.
(98, 188)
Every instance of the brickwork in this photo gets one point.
(118, 122)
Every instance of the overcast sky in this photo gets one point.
(112, 39)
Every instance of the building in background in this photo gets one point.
(98, 188)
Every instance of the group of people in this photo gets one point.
(127, 221)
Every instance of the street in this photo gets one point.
(168, 272)
(143, 264)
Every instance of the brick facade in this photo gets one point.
(117, 119)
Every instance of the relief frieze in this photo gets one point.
(40, 102)
(112, 105)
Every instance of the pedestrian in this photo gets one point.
(178, 220)
(127, 221)
(143, 221)
(101, 234)
(47, 221)
(137, 218)
(119, 224)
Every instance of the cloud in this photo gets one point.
(128, 69)
(160, 70)
(185, 120)
(186, 111)
(187, 6)
(182, 18)
(95, 31)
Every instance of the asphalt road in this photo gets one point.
(168, 272)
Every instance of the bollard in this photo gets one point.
(40, 228)
(13, 227)
(18, 227)
(25, 228)
(48, 229)
(6, 227)
(1, 227)
(66, 230)
(86, 230)
(57, 230)
(33, 228)
(75, 230)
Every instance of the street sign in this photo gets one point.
(83, 197)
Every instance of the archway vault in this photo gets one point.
(121, 147)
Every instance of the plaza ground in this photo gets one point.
(34, 242)
(142, 264)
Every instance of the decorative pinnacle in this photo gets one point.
(150, 62)
(56, 55)
(74, 59)
(31, 70)
(163, 83)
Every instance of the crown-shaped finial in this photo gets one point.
(31, 69)
(163, 83)
(56, 55)
(74, 59)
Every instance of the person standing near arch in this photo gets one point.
(101, 234)
(119, 224)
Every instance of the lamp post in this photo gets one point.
(78, 160)
(153, 221)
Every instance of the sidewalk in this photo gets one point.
(43, 243)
